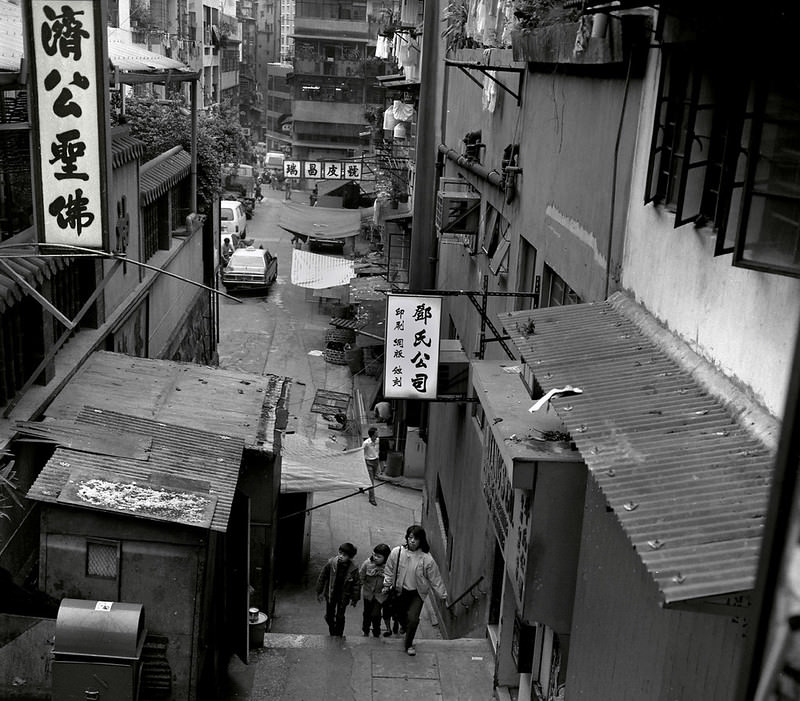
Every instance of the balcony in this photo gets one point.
(593, 42)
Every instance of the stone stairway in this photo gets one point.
(357, 668)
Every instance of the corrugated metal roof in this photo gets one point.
(159, 175)
(236, 404)
(176, 452)
(124, 57)
(688, 483)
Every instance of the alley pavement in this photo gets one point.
(281, 334)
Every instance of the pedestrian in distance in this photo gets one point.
(259, 195)
(371, 577)
(227, 250)
(338, 585)
(371, 446)
(288, 189)
(411, 573)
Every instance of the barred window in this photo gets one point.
(102, 559)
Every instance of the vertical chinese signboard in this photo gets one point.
(67, 48)
(411, 363)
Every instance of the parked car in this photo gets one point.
(250, 269)
(315, 244)
(233, 221)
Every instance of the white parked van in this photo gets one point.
(233, 221)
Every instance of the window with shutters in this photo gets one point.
(725, 154)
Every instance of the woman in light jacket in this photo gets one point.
(412, 572)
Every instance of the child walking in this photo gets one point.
(339, 585)
(371, 576)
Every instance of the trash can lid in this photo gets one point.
(100, 629)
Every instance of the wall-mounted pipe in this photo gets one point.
(492, 176)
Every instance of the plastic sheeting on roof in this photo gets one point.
(311, 465)
(318, 272)
(319, 222)
(123, 56)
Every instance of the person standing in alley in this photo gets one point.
(412, 572)
(287, 186)
(371, 577)
(371, 446)
(338, 585)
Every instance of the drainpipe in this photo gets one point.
(491, 176)
(422, 263)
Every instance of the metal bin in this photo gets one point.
(97, 651)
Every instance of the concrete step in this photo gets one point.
(301, 640)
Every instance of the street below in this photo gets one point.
(283, 333)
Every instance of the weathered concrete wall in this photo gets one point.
(743, 321)
(170, 298)
(453, 457)
(648, 652)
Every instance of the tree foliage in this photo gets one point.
(164, 124)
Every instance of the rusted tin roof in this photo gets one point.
(181, 460)
(687, 482)
(235, 404)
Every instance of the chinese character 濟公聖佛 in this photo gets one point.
(68, 150)
(63, 33)
(62, 106)
(71, 211)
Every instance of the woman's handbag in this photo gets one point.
(390, 605)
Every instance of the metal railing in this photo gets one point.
(468, 591)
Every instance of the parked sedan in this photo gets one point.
(250, 269)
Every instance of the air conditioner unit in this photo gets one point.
(246, 131)
(458, 208)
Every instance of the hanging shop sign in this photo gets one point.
(66, 42)
(322, 170)
(411, 362)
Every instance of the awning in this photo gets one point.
(313, 465)
(318, 272)
(688, 484)
(34, 270)
(158, 176)
(319, 222)
(122, 56)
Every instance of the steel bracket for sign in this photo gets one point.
(481, 306)
(466, 66)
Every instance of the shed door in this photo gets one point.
(238, 547)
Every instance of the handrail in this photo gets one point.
(467, 591)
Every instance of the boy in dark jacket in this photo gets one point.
(339, 585)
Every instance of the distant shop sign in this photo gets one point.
(411, 361)
(66, 41)
(322, 170)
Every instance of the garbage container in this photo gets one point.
(258, 627)
(97, 650)
(394, 464)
